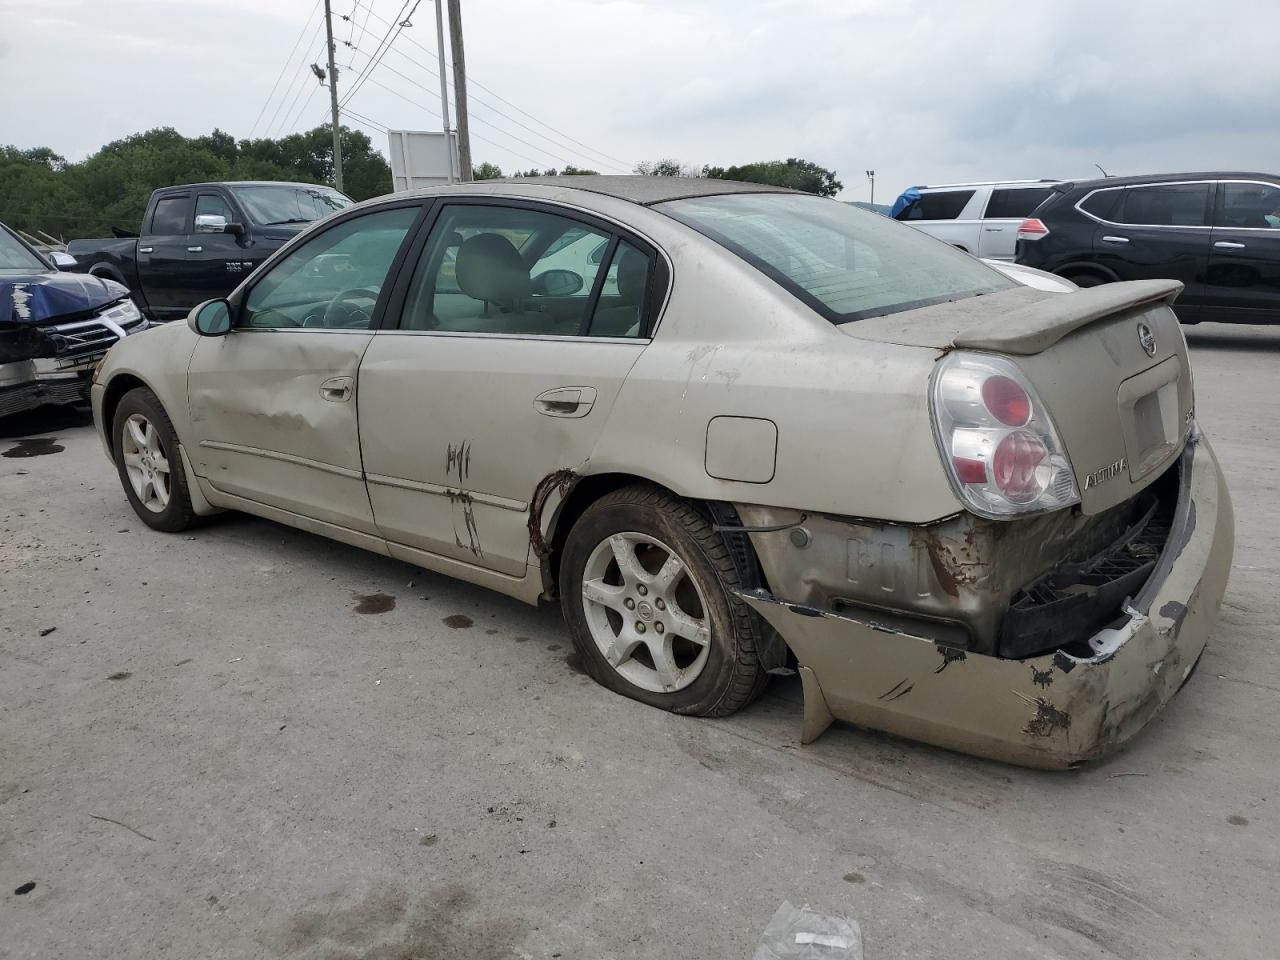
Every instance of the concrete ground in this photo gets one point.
(207, 751)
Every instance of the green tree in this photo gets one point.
(486, 171)
(793, 173)
(666, 167)
(39, 190)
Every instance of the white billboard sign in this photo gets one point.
(419, 158)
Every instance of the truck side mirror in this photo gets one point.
(211, 318)
(61, 259)
(210, 223)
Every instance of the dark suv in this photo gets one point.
(1218, 233)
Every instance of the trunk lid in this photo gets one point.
(1109, 363)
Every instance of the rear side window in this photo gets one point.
(1254, 205)
(1166, 205)
(938, 205)
(845, 263)
(1017, 203)
(1103, 203)
(170, 216)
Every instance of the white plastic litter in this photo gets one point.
(797, 933)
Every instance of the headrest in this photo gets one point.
(489, 268)
(633, 271)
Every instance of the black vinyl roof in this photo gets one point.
(648, 190)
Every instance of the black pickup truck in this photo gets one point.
(199, 240)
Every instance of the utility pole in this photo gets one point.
(333, 99)
(444, 89)
(459, 86)
(871, 175)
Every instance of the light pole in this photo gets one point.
(871, 175)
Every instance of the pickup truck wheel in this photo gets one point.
(149, 464)
(647, 588)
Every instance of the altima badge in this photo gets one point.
(1106, 473)
(1147, 339)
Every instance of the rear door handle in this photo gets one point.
(1115, 239)
(145, 249)
(1229, 245)
(994, 229)
(565, 402)
(337, 390)
(194, 249)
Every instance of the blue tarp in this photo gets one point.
(908, 197)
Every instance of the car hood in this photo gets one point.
(38, 298)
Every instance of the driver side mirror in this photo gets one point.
(211, 318)
(217, 223)
(62, 260)
(557, 283)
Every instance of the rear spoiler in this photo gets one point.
(1037, 326)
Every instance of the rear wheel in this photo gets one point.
(149, 464)
(647, 588)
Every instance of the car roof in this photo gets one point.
(248, 183)
(636, 189)
(1129, 181)
(987, 183)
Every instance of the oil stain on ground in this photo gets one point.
(36, 447)
(373, 602)
(120, 675)
(458, 621)
(390, 925)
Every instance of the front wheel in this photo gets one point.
(647, 588)
(149, 464)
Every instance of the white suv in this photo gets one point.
(980, 218)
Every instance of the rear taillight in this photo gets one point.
(1032, 229)
(1000, 446)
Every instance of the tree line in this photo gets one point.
(41, 190)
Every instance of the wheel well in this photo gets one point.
(106, 270)
(1085, 269)
(116, 389)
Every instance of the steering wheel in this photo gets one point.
(341, 313)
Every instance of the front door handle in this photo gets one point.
(145, 249)
(337, 390)
(1115, 239)
(1228, 245)
(565, 401)
(194, 249)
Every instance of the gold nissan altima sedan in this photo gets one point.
(736, 431)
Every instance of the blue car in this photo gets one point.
(54, 326)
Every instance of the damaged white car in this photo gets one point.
(735, 430)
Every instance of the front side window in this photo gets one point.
(212, 204)
(509, 270)
(170, 217)
(846, 263)
(273, 204)
(1016, 203)
(1253, 205)
(938, 205)
(1166, 205)
(332, 280)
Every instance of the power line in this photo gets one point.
(558, 148)
(304, 72)
(285, 66)
(393, 31)
(626, 164)
(348, 112)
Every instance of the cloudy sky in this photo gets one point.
(919, 90)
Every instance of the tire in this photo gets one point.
(711, 679)
(1086, 279)
(145, 442)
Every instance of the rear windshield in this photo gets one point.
(845, 263)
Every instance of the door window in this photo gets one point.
(1166, 205)
(211, 203)
(331, 281)
(169, 219)
(1104, 203)
(513, 270)
(624, 295)
(1255, 205)
(938, 205)
(1015, 204)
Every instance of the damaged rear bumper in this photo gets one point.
(1053, 711)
